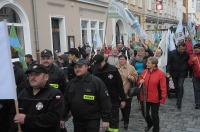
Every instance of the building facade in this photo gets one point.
(192, 10)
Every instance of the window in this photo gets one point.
(149, 4)
(10, 16)
(139, 3)
(133, 2)
(88, 29)
(84, 28)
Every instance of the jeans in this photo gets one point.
(178, 84)
(196, 85)
(152, 120)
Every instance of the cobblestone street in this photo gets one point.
(171, 119)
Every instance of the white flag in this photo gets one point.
(97, 40)
(179, 31)
(171, 42)
(119, 9)
(164, 46)
(7, 80)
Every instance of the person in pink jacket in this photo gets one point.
(154, 82)
(194, 63)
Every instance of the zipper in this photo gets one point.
(147, 89)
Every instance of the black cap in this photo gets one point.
(29, 56)
(196, 46)
(98, 59)
(37, 68)
(46, 53)
(73, 51)
(81, 62)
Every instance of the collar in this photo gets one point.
(86, 77)
(30, 89)
(105, 66)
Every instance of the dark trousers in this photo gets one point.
(86, 126)
(126, 111)
(114, 122)
(178, 84)
(196, 85)
(152, 120)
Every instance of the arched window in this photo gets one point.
(11, 17)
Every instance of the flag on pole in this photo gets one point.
(171, 41)
(14, 42)
(7, 85)
(97, 40)
(179, 31)
(164, 46)
(156, 36)
(119, 9)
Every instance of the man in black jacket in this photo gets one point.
(110, 75)
(39, 104)
(29, 60)
(177, 67)
(88, 100)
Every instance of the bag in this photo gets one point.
(134, 91)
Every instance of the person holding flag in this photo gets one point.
(154, 84)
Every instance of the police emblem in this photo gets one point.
(45, 51)
(35, 66)
(110, 76)
(39, 106)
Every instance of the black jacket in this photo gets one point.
(42, 110)
(70, 72)
(57, 78)
(109, 74)
(177, 64)
(87, 98)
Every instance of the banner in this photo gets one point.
(7, 85)
(119, 9)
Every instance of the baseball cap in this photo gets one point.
(29, 56)
(196, 46)
(98, 59)
(37, 68)
(73, 51)
(81, 62)
(46, 53)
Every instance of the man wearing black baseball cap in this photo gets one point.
(91, 101)
(29, 60)
(40, 103)
(73, 56)
(110, 75)
(56, 76)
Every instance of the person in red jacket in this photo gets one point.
(189, 50)
(194, 63)
(155, 89)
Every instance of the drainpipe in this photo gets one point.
(36, 31)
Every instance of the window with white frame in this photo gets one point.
(84, 31)
(133, 2)
(149, 4)
(89, 28)
(140, 3)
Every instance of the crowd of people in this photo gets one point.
(93, 85)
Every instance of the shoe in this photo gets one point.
(179, 107)
(148, 128)
(125, 126)
(197, 106)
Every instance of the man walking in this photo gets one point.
(177, 66)
(110, 75)
(194, 63)
(88, 100)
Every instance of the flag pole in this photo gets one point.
(17, 112)
(106, 23)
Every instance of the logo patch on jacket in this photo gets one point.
(39, 106)
(110, 76)
(88, 97)
(107, 94)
